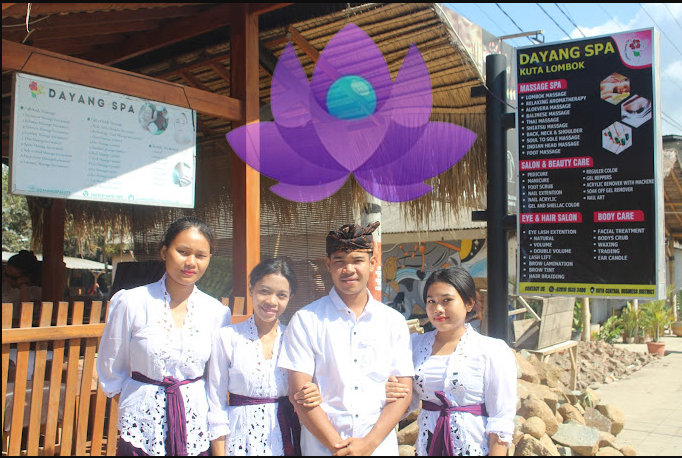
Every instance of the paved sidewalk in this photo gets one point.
(652, 401)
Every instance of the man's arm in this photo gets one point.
(313, 418)
(391, 414)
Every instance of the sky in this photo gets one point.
(594, 19)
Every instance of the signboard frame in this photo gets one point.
(605, 290)
(79, 129)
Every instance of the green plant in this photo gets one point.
(630, 318)
(611, 330)
(656, 315)
(578, 316)
(587, 399)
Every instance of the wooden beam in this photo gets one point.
(82, 51)
(53, 251)
(221, 71)
(245, 180)
(84, 30)
(198, 64)
(204, 129)
(194, 82)
(6, 86)
(17, 57)
(172, 32)
(665, 194)
(679, 188)
(262, 8)
(46, 333)
(63, 46)
(266, 59)
(38, 9)
(304, 44)
(112, 17)
(14, 55)
(279, 40)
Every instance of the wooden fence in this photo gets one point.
(53, 404)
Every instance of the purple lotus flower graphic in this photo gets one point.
(351, 118)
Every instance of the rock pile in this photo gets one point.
(600, 363)
(551, 419)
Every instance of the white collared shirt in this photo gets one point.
(350, 360)
(140, 336)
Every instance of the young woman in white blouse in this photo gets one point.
(154, 350)
(466, 381)
(257, 417)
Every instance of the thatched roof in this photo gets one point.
(672, 185)
(204, 62)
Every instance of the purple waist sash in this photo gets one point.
(175, 411)
(286, 417)
(441, 443)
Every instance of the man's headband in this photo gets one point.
(351, 237)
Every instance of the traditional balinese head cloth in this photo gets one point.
(351, 237)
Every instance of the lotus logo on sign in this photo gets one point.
(351, 119)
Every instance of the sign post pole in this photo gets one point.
(498, 270)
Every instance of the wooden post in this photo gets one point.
(586, 319)
(52, 271)
(671, 281)
(371, 212)
(245, 180)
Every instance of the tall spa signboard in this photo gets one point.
(591, 219)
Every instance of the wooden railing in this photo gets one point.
(237, 306)
(53, 404)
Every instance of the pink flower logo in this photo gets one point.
(35, 89)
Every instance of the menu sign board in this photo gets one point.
(75, 142)
(590, 187)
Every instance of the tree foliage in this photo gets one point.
(16, 221)
(17, 229)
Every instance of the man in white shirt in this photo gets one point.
(348, 343)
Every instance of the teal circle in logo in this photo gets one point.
(351, 97)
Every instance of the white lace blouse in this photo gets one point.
(481, 370)
(237, 365)
(140, 336)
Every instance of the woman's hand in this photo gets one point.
(396, 390)
(355, 447)
(496, 446)
(308, 396)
